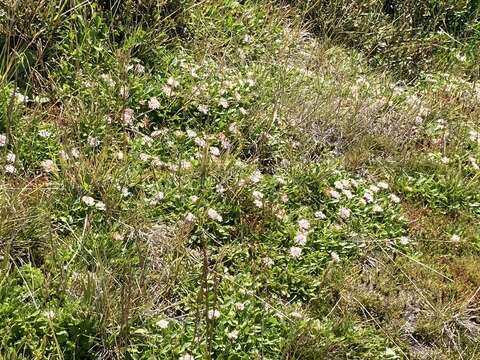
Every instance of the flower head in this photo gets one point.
(44, 133)
(335, 257)
(162, 324)
(295, 251)
(203, 109)
(239, 306)
(186, 357)
(232, 335)
(394, 198)
(153, 103)
(3, 140)
(10, 169)
(345, 213)
(88, 200)
(214, 215)
(213, 314)
(304, 224)
(47, 165)
(301, 238)
(455, 238)
(127, 117)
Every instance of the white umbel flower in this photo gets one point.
(88, 200)
(214, 215)
(295, 251)
(304, 224)
(345, 213)
(153, 103)
(213, 314)
(47, 165)
(3, 140)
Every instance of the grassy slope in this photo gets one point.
(113, 250)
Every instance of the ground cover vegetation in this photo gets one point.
(230, 179)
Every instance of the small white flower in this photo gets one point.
(167, 90)
(224, 141)
(44, 133)
(334, 194)
(213, 314)
(153, 103)
(257, 195)
(232, 335)
(88, 200)
(284, 198)
(223, 102)
(394, 198)
(242, 111)
(127, 116)
(455, 238)
(93, 141)
(10, 169)
(100, 206)
(338, 185)
(124, 92)
(233, 128)
(75, 153)
(162, 324)
(296, 315)
(377, 208)
(404, 240)
(159, 196)
(368, 196)
(3, 140)
(203, 109)
(11, 157)
(189, 217)
(49, 314)
(194, 198)
(139, 69)
(214, 151)
(348, 194)
(239, 306)
(445, 160)
(383, 185)
(258, 203)
(214, 215)
(125, 191)
(301, 239)
(172, 82)
(335, 257)
(119, 155)
(64, 155)
(144, 157)
(268, 262)
(247, 39)
(474, 163)
(117, 236)
(320, 215)
(345, 213)
(47, 165)
(295, 251)
(200, 142)
(219, 189)
(186, 357)
(256, 177)
(304, 224)
(191, 134)
(374, 188)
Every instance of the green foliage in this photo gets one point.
(184, 179)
